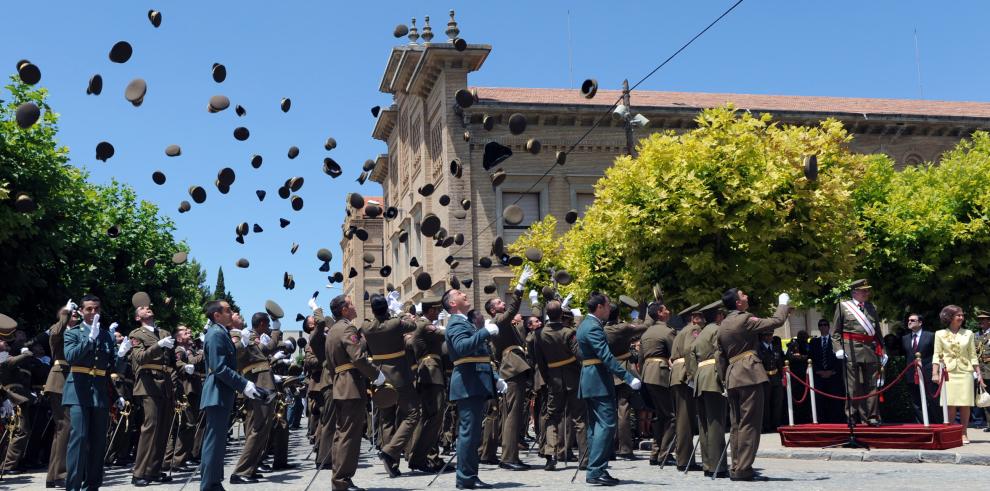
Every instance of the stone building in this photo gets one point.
(424, 130)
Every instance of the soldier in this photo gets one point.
(556, 355)
(152, 360)
(189, 372)
(857, 339)
(15, 377)
(656, 345)
(385, 336)
(514, 369)
(685, 412)
(738, 337)
(620, 336)
(472, 383)
(321, 387)
(287, 386)
(427, 342)
(252, 362)
(982, 344)
(598, 366)
(67, 317)
(123, 384)
(773, 398)
(39, 365)
(708, 390)
(92, 356)
(347, 358)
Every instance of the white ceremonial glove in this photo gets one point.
(312, 304)
(501, 386)
(634, 315)
(419, 309)
(94, 331)
(576, 312)
(7, 409)
(266, 339)
(47, 360)
(524, 277)
(251, 391)
(188, 368)
(394, 305)
(278, 356)
(284, 362)
(278, 378)
(205, 328)
(380, 379)
(202, 337)
(71, 306)
(277, 324)
(567, 301)
(120, 403)
(125, 346)
(25, 351)
(113, 328)
(783, 299)
(288, 344)
(166, 343)
(245, 338)
(491, 328)
(533, 297)
(635, 384)
(4, 356)
(442, 316)
(841, 354)
(883, 360)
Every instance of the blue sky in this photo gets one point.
(328, 58)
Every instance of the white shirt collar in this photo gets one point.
(150, 328)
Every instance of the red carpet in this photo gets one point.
(912, 436)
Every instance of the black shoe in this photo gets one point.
(391, 466)
(182, 468)
(601, 481)
(140, 482)
(873, 422)
(583, 467)
(490, 462)
(264, 468)
(626, 456)
(654, 461)
(285, 466)
(479, 484)
(608, 477)
(235, 479)
(163, 477)
(754, 477)
(352, 487)
(689, 468)
(257, 475)
(551, 464)
(722, 475)
(514, 466)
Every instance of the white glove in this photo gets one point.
(25, 351)
(245, 338)
(491, 328)
(285, 361)
(841, 354)
(277, 325)
(533, 297)
(278, 378)
(288, 344)
(251, 391)
(205, 328)
(312, 304)
(524, 277)
(120, 403)
(501, 386)
(4, 356)
(567, 301)
(883, 360)
(113, 328)
(278, 355)
(635, 384)
(576, 312)
(419, 309)
(202, 337)
(266, 339)
(166, 343)
(188, 368)
(7, 409)
(71, 306)
(783, 299)
(125, 346)
(442, 316)
(634, 315)
(394, 305)
(95, 329)
(47, 360)
(380, 379)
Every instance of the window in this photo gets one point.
(530, 204)
(584, 200)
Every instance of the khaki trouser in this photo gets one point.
(746, 412)
(623, 429)
(514, 403)
(423, 445)
(685, 415)
(326, 429)
(347, 440)
(258, 427)
(158, 414)
(663, 419)
(400, 421)
(490, 430)
(862, 379)
(711, 414)
(560, 406)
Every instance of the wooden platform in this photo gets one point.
(908, 436)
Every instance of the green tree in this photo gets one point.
(222, 293)
(725, 204)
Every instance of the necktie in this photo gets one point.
(914, 344)
(824, 348)
(861, 306)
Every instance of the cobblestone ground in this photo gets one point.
(783, 473)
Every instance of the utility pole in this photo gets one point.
(630, 145)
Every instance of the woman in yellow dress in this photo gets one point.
(955, 348)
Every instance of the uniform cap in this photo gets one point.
(352, 273)
(385, 271)
(466, 204)
(158, 177)
(285, 104)
(517, 124)
(487, 122)
(121, 52)
(332, 168)
(400, 30)
(628, 301)
(283, 222)
(256, 161)
(513, 214)
(219, 73)
(456, 169)
(173, 150)
(368, 257)
(241, 133)
(330, 144)
(355, 200)
(113, 231)
(494, 154)
(197, 193)
(498, 177)
(219, 103)
(485, 262)
(24, 203)
(180, 257)
(498, 246)
(534, 254)
(589, 88)
(274, 309)
(155, 17)
(239, 110)
(426, 190)
(444, 200)
(571, 216)
(562, 277)
(27, 114)
(689, 310)
(391, 212)
(361, 234)
(226, 176)
(28, 72)
(95, 86)
(296, 183)
(104, 150)
(860, 284)
(294, 248)
(293, 152)
(811, 167)
(413, 262)
(430, 225)
(140, 299)
(297, 202)
(490, 288)
(424, 281)
(533, 146)
(184, 206)
(257, 228)
(464, 98)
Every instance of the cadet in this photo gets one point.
(656, 345)
(152, 360)
(708, 390)
(685, 412)
(857, 339)
(427, 341)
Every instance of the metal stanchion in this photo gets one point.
(943, 398)
(921, 389)
(790, 398)
(811, 392)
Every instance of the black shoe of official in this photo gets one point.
(551, 464)
(601, 481)
(473, 484)
(56, 484)
(626, 456)
(163, 477)
(140, 482)
(264, 468)
(352, 487)
(693, 467)
(583, 467)
(754, 477)
(12, 472)
(873, 422)
(514, 466)
(257, 475)
(236, 479)
(391, 466)
(654, 461)
(490, 462)
(285, 466)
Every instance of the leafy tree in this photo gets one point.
(726, 204)
(222, 293)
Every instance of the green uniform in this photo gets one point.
(711, 404)
(685, 412)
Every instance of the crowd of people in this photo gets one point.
(443, 377)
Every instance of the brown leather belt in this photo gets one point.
(256, 367)
(658, 359)
(623, 356)
(772, 372)
(388, 356)
(472, 359)
(740, 356)
(558, 364)
(677, 361)
(705, 363)
(590, 361)
(510, 348)
(428, 357)
(61, 363)
(152, 366)
(343, 368)
(89, 371)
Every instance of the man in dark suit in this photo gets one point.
(217, 401)
(472, 383)
(828, 375)
(920, 341)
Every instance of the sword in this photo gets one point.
(122, 416)
(693, 450)
(170, 427)
(666, 454)
(445, 465)
(718, 465)
(318, 469)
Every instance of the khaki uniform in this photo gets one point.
(514, 368)
(711, 404)
(347, 359)
(557, 358)
(119, 448)
(320, 390)
(685, 412)
(15, 376)
(190, 387)
(53, 390)
(153, 388)
(656, 346)
(862, 362)
(253, 363)
(427, 344)
(620, 336)
(744, 375)
(387, 346)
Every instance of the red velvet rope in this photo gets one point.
(941, 382)
(885, 388)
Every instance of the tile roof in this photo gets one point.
(753, 102)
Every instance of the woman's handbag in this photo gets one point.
(982, 397)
